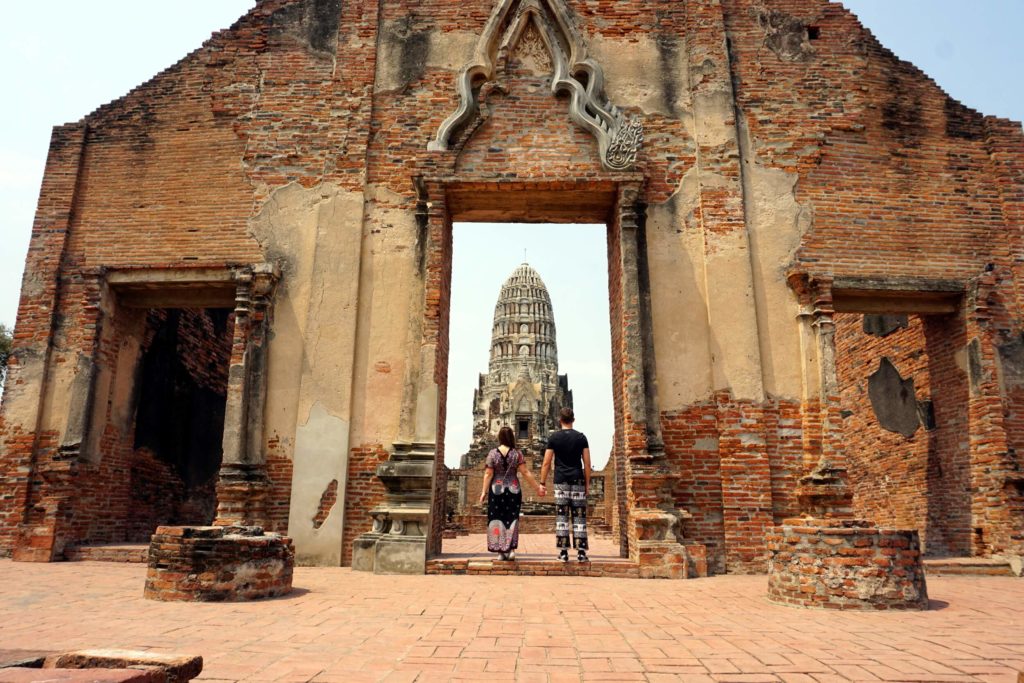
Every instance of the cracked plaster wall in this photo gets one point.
(311, 234)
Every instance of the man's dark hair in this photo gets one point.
(566, 416)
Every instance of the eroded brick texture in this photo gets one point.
(363, 492)
(922, 481)
(218, 564)
(893, 186)
(845, 565)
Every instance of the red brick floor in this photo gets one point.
(346, 626)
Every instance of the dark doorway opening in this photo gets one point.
(179, 419)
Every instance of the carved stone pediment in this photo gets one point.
(619, 138)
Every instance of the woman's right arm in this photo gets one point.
(488, 476)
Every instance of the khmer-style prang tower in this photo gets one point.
(522, 388)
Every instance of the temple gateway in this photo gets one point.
(235, 304)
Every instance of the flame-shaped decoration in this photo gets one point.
(619, 138)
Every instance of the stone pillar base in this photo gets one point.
(218, 564)
(364, 552)
(401, 555)
(657, 549)
(845, 564)
(35, 544)
(671, 560)
(397, 544)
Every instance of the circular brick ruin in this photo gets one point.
(845, 564)
(216, 564)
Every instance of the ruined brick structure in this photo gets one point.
(768, 174)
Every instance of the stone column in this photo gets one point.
(654, 522)
(995, 466)
(823, 491)
(51, 506)
(25, 432)
(243, 485)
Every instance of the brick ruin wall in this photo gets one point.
(159, 465)
(919, 480)
(903, 181)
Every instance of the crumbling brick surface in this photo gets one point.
(921, 481)
(218, 564)
(363, 493)
(845, 565)
(891, 184)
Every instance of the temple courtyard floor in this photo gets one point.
(341, 625)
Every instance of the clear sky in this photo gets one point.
(573, 262)
(60, 60)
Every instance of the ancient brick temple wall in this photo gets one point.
(157, 459)
(299, 137)
(922, 480)
(693, 443)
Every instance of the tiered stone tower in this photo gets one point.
(522, 388)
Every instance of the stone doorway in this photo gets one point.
(154, 413)
(905, 408)
(529, 334)
(408, 525)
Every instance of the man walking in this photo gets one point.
(571, 455)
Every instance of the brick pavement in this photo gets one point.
(531, 547)
(345, 626)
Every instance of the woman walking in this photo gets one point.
(504, 495)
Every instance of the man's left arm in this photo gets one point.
(586, 469)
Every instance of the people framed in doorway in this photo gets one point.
(504, 494)
(569, 452)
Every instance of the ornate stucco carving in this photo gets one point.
(619, 137)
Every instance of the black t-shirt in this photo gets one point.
(568, 445)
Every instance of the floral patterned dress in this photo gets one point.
(504, 501)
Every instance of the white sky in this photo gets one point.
(60, 60)
(573, 262)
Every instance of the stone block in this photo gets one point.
(26, 675)
(23, 658)
(869, 569)
(401, 555)
(176, 668)
(211, 564)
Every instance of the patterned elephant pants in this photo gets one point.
(571, 513)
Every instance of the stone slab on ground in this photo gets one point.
(23, 658)
(344, 626)
(35, 675)
(967, 566)
(177, 668)
(535, 556)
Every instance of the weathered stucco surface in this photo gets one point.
(306, 164)
(312, 353)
